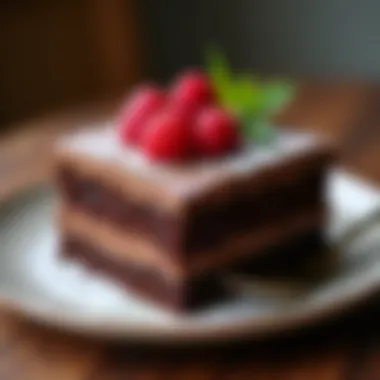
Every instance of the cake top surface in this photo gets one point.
(186, 179)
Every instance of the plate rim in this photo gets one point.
(45, 312)
(251, 328)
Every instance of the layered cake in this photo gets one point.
(172, 194)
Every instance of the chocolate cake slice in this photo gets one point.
(165, 230)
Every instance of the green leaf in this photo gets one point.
(219, 72)
(276, 94)
(254, 102)
(217, 64)
(246, 94)
(259, 130)
(264, 133)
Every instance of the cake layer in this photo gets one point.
(203, 227)
(127, 247)
(102, 158)
(183, 294)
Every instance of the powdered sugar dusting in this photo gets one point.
(182, 178)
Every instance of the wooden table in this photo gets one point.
(346, 348)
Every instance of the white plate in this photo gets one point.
(36, 283)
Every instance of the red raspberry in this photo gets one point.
(166, 137)
(215, 132)
(146, 101)
(192, 90)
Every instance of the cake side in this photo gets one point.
(197, 229)
(125, 250)
(101, 155)
(188, 293)
(188, 184)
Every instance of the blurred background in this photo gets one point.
(61, 53)
(65, 52)
(336, 38)
(66, 57)
(64, 61)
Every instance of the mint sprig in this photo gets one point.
(253, 101)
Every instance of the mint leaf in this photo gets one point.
(217, 65)
(264, 133)
(258, 130)
(219, 72)
(246, 94)
(254, 102)
(276, 95)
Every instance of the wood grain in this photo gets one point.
(345, 349)
(116, 44)
(59, 53)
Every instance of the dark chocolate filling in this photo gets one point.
(203, 227)
(183, 294)
(207, 227)
(180, 294)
